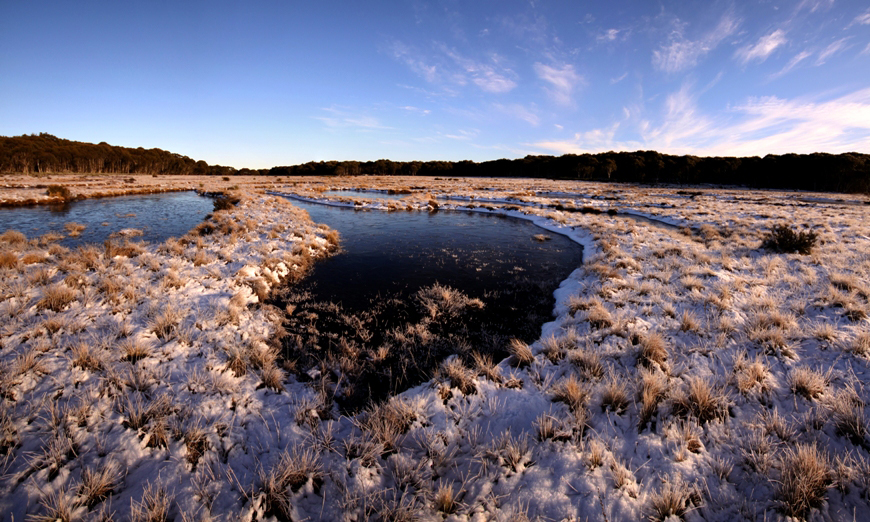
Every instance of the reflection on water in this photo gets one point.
(158, 216)
(385, 253)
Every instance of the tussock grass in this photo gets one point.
(599, 316)
(13, 238)
(807, 382)
(154, 505)
(674, 499)
(614, 396)
(804, 481)
(98, 483)
(521, 353)
(861, 344)
(700, 399)
(293, 469)
(651, 390)
(653, 350)
(9, 260)
(572, 392)
(133, 349)
(56, 297)
(458, 375)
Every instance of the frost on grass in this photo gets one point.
(688, 372)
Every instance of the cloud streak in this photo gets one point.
(762, 49)
(681, 53)
(562, 82)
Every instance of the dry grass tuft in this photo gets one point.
(861, 344)
(486, 367)
(572, 392)
(804, 481)
(521, 353)
(84, 359)
(273, 378)
(9, 260)
(56, 297)
(653, 385)
(13, 237)
(614, 397)
(98, 484)
(134, 350)
(807, 382)
(674, 499)
(459, 375)
(701, 400)
(653, 350)
(446, 498)
(165, 325)
(154, 506)
(599, 316)
(293, 469)
(588, 362)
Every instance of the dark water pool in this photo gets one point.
(385, 253)
(359, 320)
(158, 216)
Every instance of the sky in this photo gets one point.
(258, 84)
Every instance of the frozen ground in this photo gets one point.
(688, 372)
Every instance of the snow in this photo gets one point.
(486, 445)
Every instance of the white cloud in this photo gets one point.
(563, 80)
(866, 49)
(762, 49)
(863, 18)
(490, 77)
(681, 53)
(614, 81)
(411, 58)
(798, 58)
(608, 35)
(831, 50)
(767, 125)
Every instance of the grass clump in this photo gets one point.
(58, 191)
(784, 240)
(56, 297)
(805, 480)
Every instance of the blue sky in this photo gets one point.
(258, 84)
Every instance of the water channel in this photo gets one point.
(158, 216)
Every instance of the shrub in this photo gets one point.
(784, 240)
(58, 191)
(226, 202)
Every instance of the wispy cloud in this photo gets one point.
(343, 118)
(418, 110)
(759, 126)
(863, 18)
(414, 61)
(562, 80)
(831, 50)
(796, 59)
(681, 53)
(762, 49)
(463, 134)
(519, 112)
(491, 77)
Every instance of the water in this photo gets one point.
(158, 216)
(364, 194)
(360, 324)
(385, 253)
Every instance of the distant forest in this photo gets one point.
(46, 154)
(849, 172)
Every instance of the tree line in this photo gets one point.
(848, 172)
(46, 154)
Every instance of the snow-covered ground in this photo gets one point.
(687, 372)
